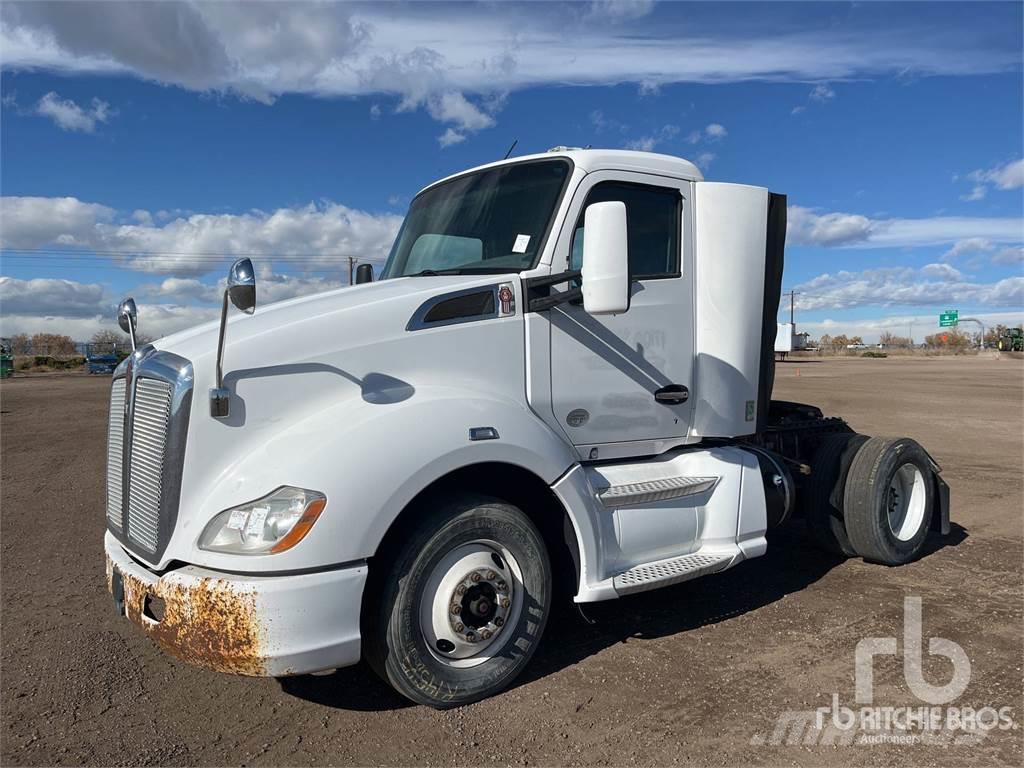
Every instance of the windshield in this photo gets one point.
(493, 220)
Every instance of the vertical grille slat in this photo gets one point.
(115, 452)
(152, 411)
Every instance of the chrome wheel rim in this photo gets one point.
(470, 599)
(906, 499)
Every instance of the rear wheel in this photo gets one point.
(464, 605)
(824, 492)
(889, 500)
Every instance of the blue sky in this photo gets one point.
(143, 145)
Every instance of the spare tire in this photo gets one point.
(889, 500)
(823, 494)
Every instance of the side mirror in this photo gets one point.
(241, 291)
(364, 273)
(242, 286)
(605, 259)
(128, 318)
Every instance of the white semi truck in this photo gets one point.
(561, 378)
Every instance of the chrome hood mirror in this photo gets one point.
(241, 291)
(128, 318)
(242, 286)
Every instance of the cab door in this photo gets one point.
(628, 377)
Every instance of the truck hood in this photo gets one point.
(344, 311)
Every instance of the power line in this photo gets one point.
(100, 252)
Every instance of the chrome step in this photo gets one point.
(662, 573)
(650, 491)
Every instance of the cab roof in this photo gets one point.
(590, 160)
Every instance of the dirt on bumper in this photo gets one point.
(208, 622)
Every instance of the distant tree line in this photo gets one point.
(59, 345)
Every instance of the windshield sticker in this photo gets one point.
(521, 244)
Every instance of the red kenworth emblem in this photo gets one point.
(505, 297)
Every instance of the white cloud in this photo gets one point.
(1005, 177)
(314, 235)
(418, 52)
(806, 227)
(375, 111)
(821, 93)
(31, 222)
(450, 137)
(660, 136)
(45, 296)
(969, 246)
(934, 285)
(453, 107)
(977, 193)
(71, 117)
(643, 144)
(703, 160)
(941, 271)
(716, 131)
(809, 227)
(619, 10)
(1013, 256)
(80, 309)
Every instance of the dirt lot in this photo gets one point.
(696, 674)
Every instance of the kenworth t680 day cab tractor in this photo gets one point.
(563, 372)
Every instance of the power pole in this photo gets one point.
(351, 269)
(792, 297)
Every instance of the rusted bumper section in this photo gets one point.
(243, 624)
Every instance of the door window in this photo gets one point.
(652, 219)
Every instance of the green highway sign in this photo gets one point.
(948, 318)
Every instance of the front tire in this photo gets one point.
(463, 604)
(889, 500)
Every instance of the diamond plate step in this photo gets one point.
(650, 491)
(662, 573)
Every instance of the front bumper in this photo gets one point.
(243, 624)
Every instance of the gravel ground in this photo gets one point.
(695, 674)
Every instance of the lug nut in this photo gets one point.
(459, 626)
(499, 621)
(491, 575)
(470, 637)
(504, 602)
(485, 634)
(502, 586)
(474, 577)
(456, 609)
(460, 590)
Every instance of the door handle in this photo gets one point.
(673, 394)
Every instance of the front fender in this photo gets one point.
(371, 459)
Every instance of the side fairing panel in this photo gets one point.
(730, 229)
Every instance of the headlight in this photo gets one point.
(269, 525)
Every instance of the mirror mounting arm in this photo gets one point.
(240, 291)
(539, 301)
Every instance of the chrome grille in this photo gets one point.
(150, 398)
(115, 452)
(151, 414)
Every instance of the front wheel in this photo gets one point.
(889, 500)
(463, 605)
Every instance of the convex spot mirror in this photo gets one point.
(605, 259)
(242, 286)
(128, 318)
